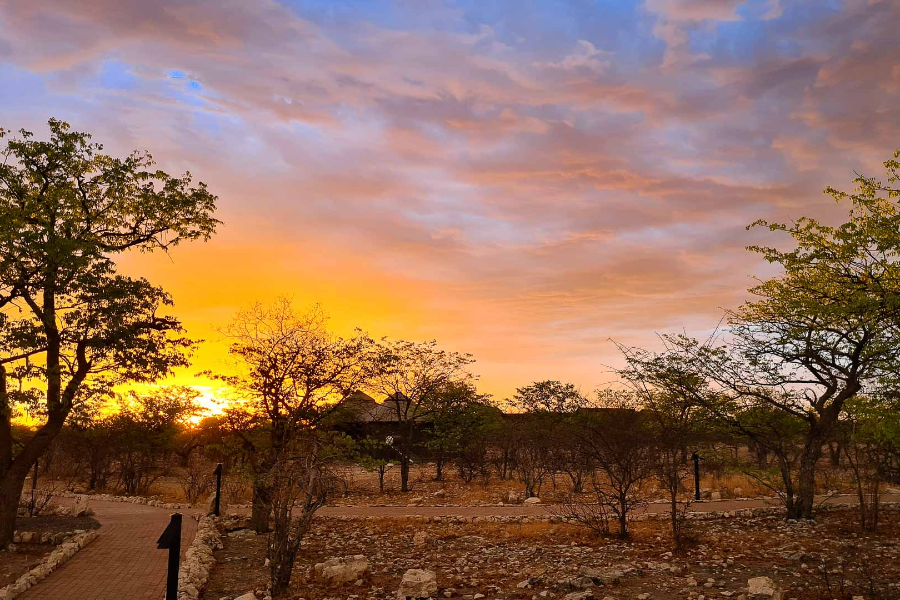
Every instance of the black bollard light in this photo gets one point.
(171, 540)
(696, 458)
(218, 473)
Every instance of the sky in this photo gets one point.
(525, 181)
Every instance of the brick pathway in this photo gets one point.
(122, 563)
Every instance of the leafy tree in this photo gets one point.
(375, 455)
(872, 446)
(452, 421)
(144, 433)
(547, 441)
(412, 375)
(823, 331)
(68, 320)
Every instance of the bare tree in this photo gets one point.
(300, 484)
(294, 375)
(620, 442)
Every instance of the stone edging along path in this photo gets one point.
(199, 559)
(51, 562)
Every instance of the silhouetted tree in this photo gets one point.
(67, 318)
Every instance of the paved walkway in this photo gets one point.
(122, 563)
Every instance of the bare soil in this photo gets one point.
(826, 559)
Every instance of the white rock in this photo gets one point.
(247, 596)
(342, 570)
(82, 507)
(761, 587)
(417, 583)
(420, 538)
(532, 500)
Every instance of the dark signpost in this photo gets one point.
(218, 473)
(171, 540)
(696, 458)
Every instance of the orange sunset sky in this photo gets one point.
(521, 181)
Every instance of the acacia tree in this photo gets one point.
(293, 375)
(413, 376)
(68, 320)
(826, 329)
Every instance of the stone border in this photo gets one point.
(199, 559)
(33, 537)
(549, 518)
(51, 562)
(126, 499)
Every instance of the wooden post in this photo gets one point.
(696, 459)
(171, 540)
(218, 473)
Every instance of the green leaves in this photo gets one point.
(66, 211)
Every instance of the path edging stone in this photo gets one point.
(199, 559)
(51, 562)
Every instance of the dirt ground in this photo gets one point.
(27, 556)
(825, 559)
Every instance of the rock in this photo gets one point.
(342, 570)
(417, 583)
(586, 595)
(211, 505)
(738, 492)
(26, 537)
(513, 498)
(82, 507)
(644, 596)
(532, 500)
(715, 495)
(602, 576)
(762, 587)
(440, 494)
(581, 583)
(420, 538)
(247, 596)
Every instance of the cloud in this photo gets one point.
(523, 187)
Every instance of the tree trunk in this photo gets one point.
(404, 473)
(262, 509)
(12, 479)
(439, 466)
(806, 483)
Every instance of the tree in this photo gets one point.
(375, 455)
(871, 444)
(68, 320)
(546, 438)
(619, 441)
(453, 420)
(412, 375)
(823, 331)
(300, 484)
(144, 430)
(674, 396)
(293, 374)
